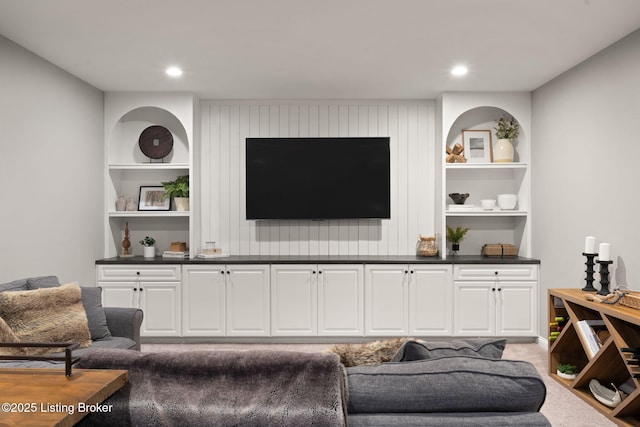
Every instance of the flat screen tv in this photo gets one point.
(318, 178)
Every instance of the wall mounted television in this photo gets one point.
(318, 178)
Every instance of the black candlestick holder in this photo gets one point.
(604, 277)
(590, 263)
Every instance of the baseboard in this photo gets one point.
(543, 343)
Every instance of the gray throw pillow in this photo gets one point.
(491, 348)
(91, 300)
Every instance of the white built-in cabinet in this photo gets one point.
(330, 300)
(309, 300)
(225, 300)
(154, 289)
(495, 300)
(408, 300)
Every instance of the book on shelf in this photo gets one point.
(594, 333)
(175, 254)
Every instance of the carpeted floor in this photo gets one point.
(562, 408)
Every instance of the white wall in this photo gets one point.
(411, 126)
(585, 167)
(51, 169)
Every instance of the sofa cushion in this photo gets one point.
(44, 315)
(16, 285)
(42, 282)
(446, 384)
(481, 347)
(91, 300)
(459, 419)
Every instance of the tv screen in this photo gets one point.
(318, 178)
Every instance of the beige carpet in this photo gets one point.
(562, 408)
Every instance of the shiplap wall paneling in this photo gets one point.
(225, 125)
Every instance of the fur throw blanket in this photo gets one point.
(371, 353)
(43, 315)
(223, 388)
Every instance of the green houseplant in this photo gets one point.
(455, 236)
(567, 371)
(148, 244)
(178, 190)
(507, 131)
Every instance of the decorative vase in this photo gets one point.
(131, 206)
(121, 203)
(182, 203)
(149, 251)
(455, 247)
(503, 151)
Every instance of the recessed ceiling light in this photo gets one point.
(459, 70)
(174, 71)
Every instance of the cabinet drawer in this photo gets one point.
(499, 271)
(144, 272)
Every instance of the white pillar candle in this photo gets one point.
(590, 245)
(604, 252)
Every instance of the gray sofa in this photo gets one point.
(110, 327)
(459, 383)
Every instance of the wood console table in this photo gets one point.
(46, 397)
(609, 364)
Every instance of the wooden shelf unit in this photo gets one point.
(608, 365)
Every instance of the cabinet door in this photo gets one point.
(247, 305)
(430, 300)
(474, 309)
(203, 301)
(516, 308)
(160, 302)
(294, 300)
(121, 294)
(386, 300)
(340, 300)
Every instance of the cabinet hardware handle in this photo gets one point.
(320, 272)
(499, 289)
(135, 289)
(141, 289)
(313, 272)
(138, 273)
(495, 272)
(221, 271)
(228, 272)
(412, 271)
(406, 271)
(493, 289)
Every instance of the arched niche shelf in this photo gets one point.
(123, 148)
(484, 118)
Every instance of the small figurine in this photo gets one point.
(126, 243)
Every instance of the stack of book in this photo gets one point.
(594, 333)
(175, 254)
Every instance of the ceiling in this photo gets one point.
(317, 49)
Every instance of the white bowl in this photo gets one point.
(507, 201)
(488, 204)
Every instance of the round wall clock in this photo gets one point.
(156, 142)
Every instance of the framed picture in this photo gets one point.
(151, 199)
(477, 146)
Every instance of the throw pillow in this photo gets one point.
(491, 348)
(45, 315)
(92, 303)
(91, 300)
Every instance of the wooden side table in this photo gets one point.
(46, 397)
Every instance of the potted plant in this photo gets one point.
(455, 236)
(507, 131)
(567, 371)
(149, 248)
(178, 190)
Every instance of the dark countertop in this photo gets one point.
(323, 259)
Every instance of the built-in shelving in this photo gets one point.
(127, 168)
(479, 111)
